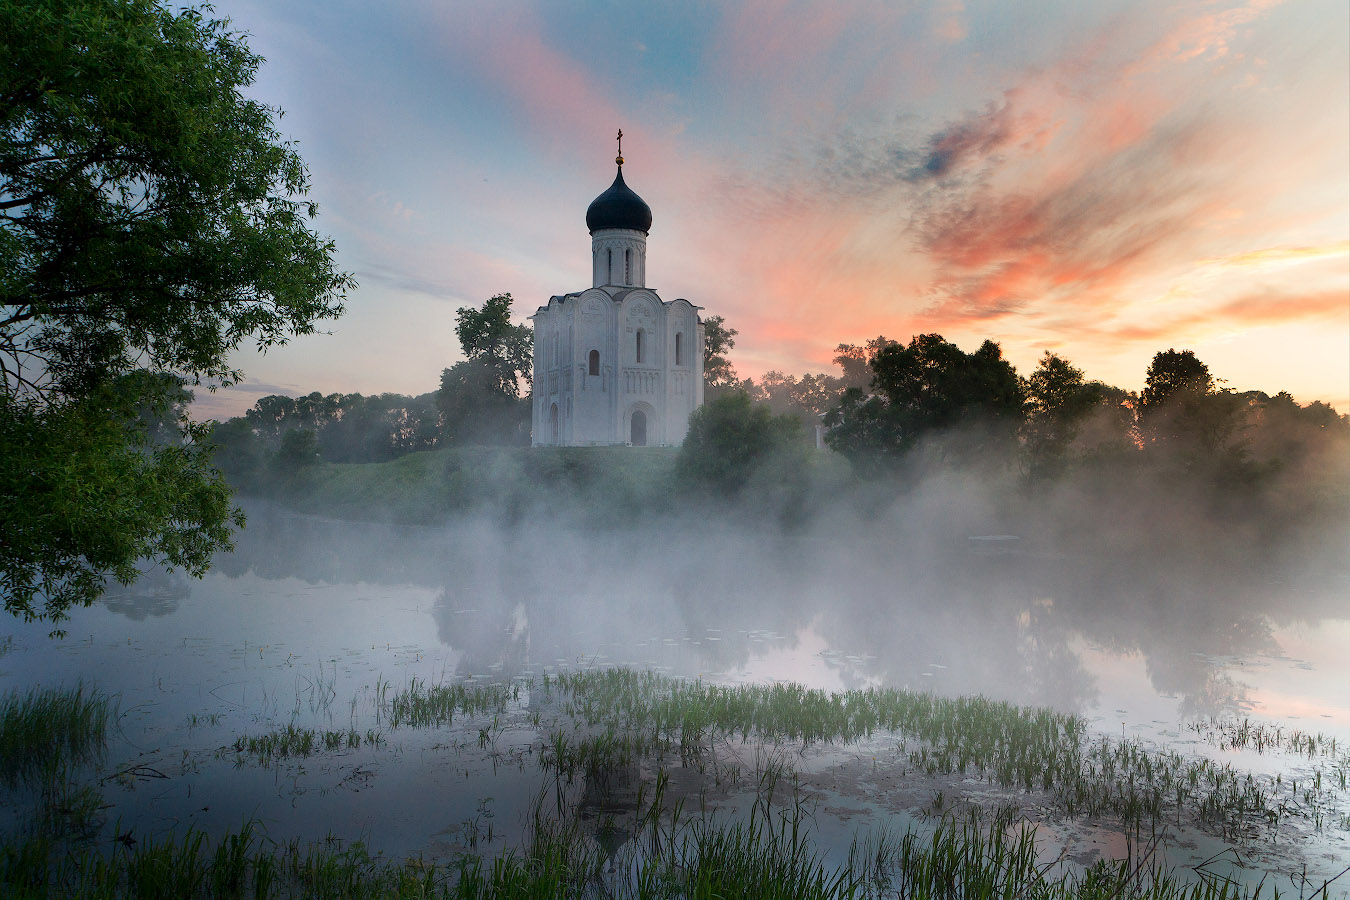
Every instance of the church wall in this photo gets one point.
(598, 408)
(643, 380)
(684, 378)
(593, 397)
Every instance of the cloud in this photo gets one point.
(973, 139)
(1206, 36)
(1092, 193)
(405, 279)
(262, 388)
(1274, 307)
(1269, 256)
(1249, 310)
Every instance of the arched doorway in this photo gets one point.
(553, 421)
(639, 431)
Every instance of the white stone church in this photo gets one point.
(615, 364)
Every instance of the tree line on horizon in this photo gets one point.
(889, 402)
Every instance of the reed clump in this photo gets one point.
(49, 729)
(291, 741)
(421, 705)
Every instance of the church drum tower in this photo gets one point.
(615, 364)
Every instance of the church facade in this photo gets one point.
(615, 364)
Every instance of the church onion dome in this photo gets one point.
(619, 207)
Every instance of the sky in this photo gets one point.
(1101, 180)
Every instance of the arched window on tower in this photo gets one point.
(679, 348)
(594, 363)
(628, 266)
(639, 345)
(609, 266)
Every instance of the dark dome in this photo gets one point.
(619, 207)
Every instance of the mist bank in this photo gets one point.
(926, 442)
(907, 598)
(744, 468)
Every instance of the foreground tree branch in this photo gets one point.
(154, 219)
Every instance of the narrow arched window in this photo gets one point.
(639, 346)
(628, 267)
(609, 266)
(594, 367)
(679, 350)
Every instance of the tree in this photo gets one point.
(729, 438)
(808, 397)
(1189, 425)
(856, 361)
(480, 397)
(505, 350)
(299, 450)
(1174, 373)
(1058, 403)
(236, 451)
(973, 400)
(151, 218)
(718, 339)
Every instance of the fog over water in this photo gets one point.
(1141, 630)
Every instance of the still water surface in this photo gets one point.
(305, 620)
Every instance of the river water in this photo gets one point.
(304, 622)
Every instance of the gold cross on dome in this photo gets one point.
(619, 159)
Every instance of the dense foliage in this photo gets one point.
(260, 447)
(972, 401)
(480, 397)
(152, 219)
(730, 438)
(718, 374)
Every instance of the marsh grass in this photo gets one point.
(604, 721)
(1029, 749)
(291, 741)
(1267, 737)
(47, 730)
(965, 859)
(243, 864)
(769, 857)
(421, 705)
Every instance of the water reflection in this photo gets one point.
(939, 612)
(155, 593)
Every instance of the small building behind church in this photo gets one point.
(615, 364)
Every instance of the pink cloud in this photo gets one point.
(555, 92)
(1204, 36)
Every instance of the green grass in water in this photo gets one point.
(768, 858)
(49, 729)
